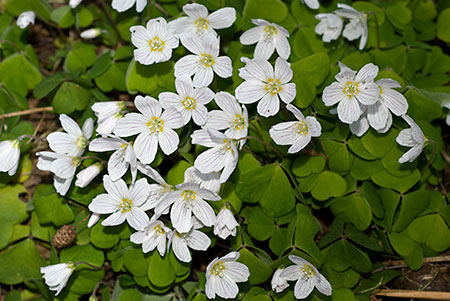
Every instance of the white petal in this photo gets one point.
(122, 5)
(131, 124)
(367, 73)
(411, 155)
(203, 77)
(252, 35)
(264, 49)
(250, 91)
(186, 66)
(63, 143)
(137, 218)
(303, 288)
(226, 288)
(118, 189)
(180, 249)
(223, 67)
(222, 18)
(198, 240)
(210, 160)
(333, 94)
(103, 203)
(405, 138)
(299, 144)
(199, 115)
(146, 146)
(269, 105)
(260, 69)
(148, 106)
(288, 92)
(195, 10)
(70, 126)
(283, 71)
(324, 286)
(114, 219)
(168, 141)
(139, 192)
(172, 119)
(395, 101)
(203, 211)
(368, 93)
(291, 273)
(181, 217)
(117, 166)
(349, 110)
(238, 272)
(105, 144)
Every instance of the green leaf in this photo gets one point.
(401, 184)
(176, 174)
(105, 237)
(160, 271)
(101, 65)
(259, 271)
(391, 164)
(413, 203)
(421, 107)
(305, 230)
(399, 15)
(339, 158)
(343, 255)
(315, 67)
(306, 42)
(16, 7)
(443, 25)
(270, 10)
(113, 78)
(362, 239)
(49, 84)
(328, 184)
(379, 144)
(84, 280)
(270, 187)
(359, 149)
(306, 165)
(85, 253)
(70, 97)
(431, 230)
(343, 294)
(372, 196)
(64, 16)
(259, 225)
(14, 269)
(278, 241)
(12, 209)
(50, 207)
(18, 74)
(136, 261)
(84, 17)
(402, 242)
(147, 79)
(355, 209)
(415, 259)
(81, 56)
(363, 169)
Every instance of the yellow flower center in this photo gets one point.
(189, 195)
(217, 269)
(206, 60)
(76, 161)
(307, 272)
(270, 31)
(159, 230)
(302, 128)
(189, 103)
(125, 205)
(156, 44)
(118, 115)
(273, 86)
(155, 125)
(238, 122)
(201, 24)
(351, 89)
(228, 147)
(381, 89)
(81, 142)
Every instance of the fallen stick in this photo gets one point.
(26, 112)
(412, 294)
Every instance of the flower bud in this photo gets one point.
(26, 18)
(91, 33)
(85, 176)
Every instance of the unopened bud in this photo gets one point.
(91, 33)
(64, 236)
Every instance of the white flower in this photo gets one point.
(267, 85)
(232, 117)
(95, 217)
(312, 4)
(222, 275)
(75, 140)
(122, 159)
(154, 43)
(209, 181)
(194, 239)
(74, 3)
(199, 23)
(156, 191)
(412, 137)
(204, 62)
(123, 5)
(86, 176)
(188, 199)
(360, 126)
(10, 155)
(278, 283)
(26, 18)
(447, 119)
(189, 101)
(295, 133)
(330, 26)
(268, 36)
(225, 224)
(153, 128)
(307, 277)
(357, 26)
(57, 275)
(154, 235)
(108, 113)
(124, 204)
(352, 90)
(91, 33)
(223, 154)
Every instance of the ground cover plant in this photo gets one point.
(247, 150)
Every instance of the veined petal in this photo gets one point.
(395, 101)
(230, 162)
(114, 219)
(269, 105)
(168, 141)
(122, 5)
(131, 124)
(137, 218)
(283, 71)
(252, 35)
(405, 138)
(103, 204)
(139, 192)
(411, 155)
(333, 94)
(106, 144)
(180, 249)
(88, 128)
(187, 65)
(203, 77)
(264, 49)
(378, 115)
(148, 106)
(315, 129)
(118, 189)
(223, 67)
(299, 144)
(226, 288)
(291, 273)
(210, 160)
(349, 110)
(63, 143)
(237, 271)
(222, 18)
(203, 211)
(360, 126)
(199, 115)
(146, 146)
(324, 286)
(195, 10)
(70, 126)
(228, 103)
(303, 288)
(250, 91)
(260, 69)
(172, 119)
(368, 94)
(288, 92)
(282, 46)
(367, 73)
(217, 120)
(198, 240)
(117, 166)
(181, 217)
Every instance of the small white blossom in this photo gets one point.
(267, 85)
(156, 191)
(222, 275)
(74, 3)
(360, 126)
(188, 199)
(232, 117)
(222, 155)
(351, 91)
(278, 283)
(86, 176)
(269, 37)
(108, 113)
(209, 181)
(194, 239)
(312, 4)
(26, 18)
(189, 101)
(295, 133)
(91, 33)
(307, 277)
(74, 140)
(412, 137)
(357, 27)
(225, 224)
(57, 275)
(95, 217)
(154, 43)
(123, 203)
(199, 23)
(154, 235)
(204, 62)
(123, 5)
(9, 156)
(122, 158)
(330, 26)
(153, 126)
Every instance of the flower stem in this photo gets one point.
(277, 152)
(88, 264)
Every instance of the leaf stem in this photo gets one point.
(277, 152)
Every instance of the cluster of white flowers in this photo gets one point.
(363, 103)
(330, 25)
